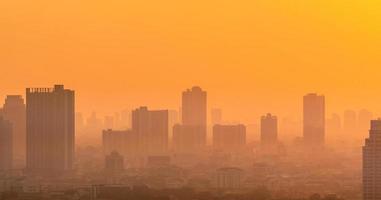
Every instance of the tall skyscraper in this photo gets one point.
(190, 136)
(194, 107)
(314, 119)
(50, 129)
(269, 129)
(371, 163)
(151, 128)
(6, 144)
(14, 111)
(229, 137)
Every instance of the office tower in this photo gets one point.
(229, 137)
(194, 107)
(114, 162)
(190, 136)
(229, 178)
(6, 144)
(371, 163)
(269, 130)
(50, 129)
(14, 111)
(314, 119)
(124, 142)
(151, 128)
(216, 116)
(350, 123)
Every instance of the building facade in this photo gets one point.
(151, 128)
(314, 120)
(372, 163)
(229, 137)
(269, 130)
(50, 118)
(14, 111)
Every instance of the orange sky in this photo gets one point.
(252, 56)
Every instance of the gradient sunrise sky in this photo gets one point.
(252, 56)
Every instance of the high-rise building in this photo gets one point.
(216, 116)
(269, 129)
(229, 137)
(6, 144)
(194, 107)
(151, 128)
(314, 119)
(50, 129)
(371, 163)
(190, 136)
(14, 111)
(124, 142)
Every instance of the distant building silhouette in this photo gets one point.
(50, 129)
(6, 144)
(269, 130)
(124, 142)
(229, 137)
(190, 136)
(216, 116)
(14, 111)
(151, 128)
(194, 107)
(314, 120)
(371, 163)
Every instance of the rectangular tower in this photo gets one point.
(229, 137)
(14, 111)
(371, 163)
(194, 115)
(151, 128)
(50, 118)
(314, 119)
(269, 129)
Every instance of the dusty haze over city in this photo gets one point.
(190, 100)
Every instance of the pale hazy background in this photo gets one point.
(252, 56)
